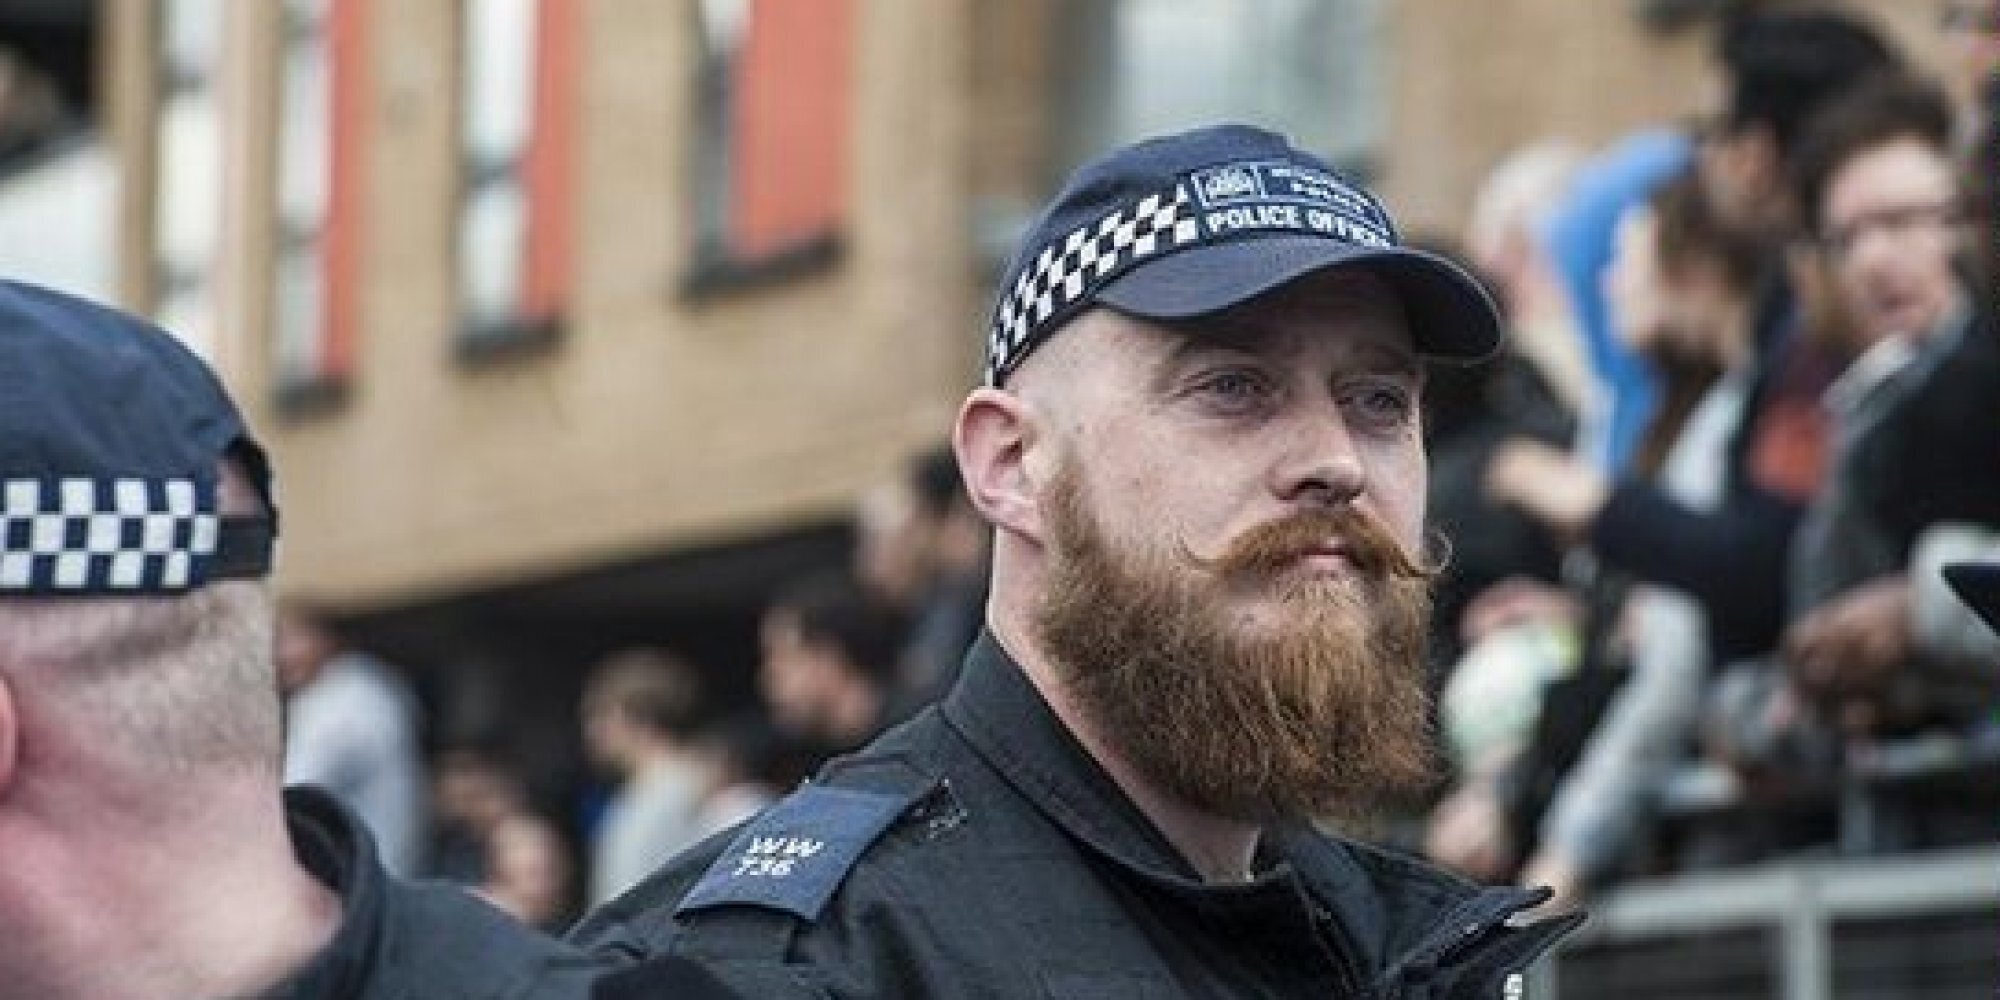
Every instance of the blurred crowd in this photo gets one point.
(1695, 516)
(1695, 615)
(842, 654)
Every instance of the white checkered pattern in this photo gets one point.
(105, 536)
(1071, 269)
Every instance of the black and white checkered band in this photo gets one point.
(1072, 269)
(1227, 202)
(84, 537)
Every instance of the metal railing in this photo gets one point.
(1912, 926)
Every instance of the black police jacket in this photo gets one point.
(399, 940)
(979, 851)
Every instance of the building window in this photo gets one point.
(188, 192)
(59, 178)
(318, 212)
(770, 153)
(1308, 68)
(518, 75)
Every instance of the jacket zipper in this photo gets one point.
(1471, 924)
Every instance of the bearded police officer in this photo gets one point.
(1199, 446)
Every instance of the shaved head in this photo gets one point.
(164, 684)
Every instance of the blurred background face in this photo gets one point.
(797, 677)
(1888, 225)
(889, 543)
(603, 733)
(475, 792)
(303, 646)
(528, 872)
(1741, 177)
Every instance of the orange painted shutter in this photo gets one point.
(549, 164)
(340, 247)
(793, 91)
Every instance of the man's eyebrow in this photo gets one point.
(1240, 338)
(1393, 359)
(1191, 342)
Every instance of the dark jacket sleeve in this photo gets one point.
(1731, 560)
(441, 944)
(1936, 458)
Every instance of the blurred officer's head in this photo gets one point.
(1201, 447)
(135, 535)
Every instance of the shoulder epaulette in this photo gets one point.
(795, 854)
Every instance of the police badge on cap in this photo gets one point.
(1194, 223)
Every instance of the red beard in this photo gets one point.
(1328, 716)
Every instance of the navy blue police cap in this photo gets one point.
(112, 434)
(1190, 224)
(1978, 585)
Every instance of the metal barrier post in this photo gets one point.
(1807, 969)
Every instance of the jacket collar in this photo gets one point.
(1391, 913)
(1004, 717)
(332, 845)
(1000, 712)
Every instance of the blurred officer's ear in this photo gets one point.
(10, 735)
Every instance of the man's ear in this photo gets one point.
(10, 736)
(992, 437)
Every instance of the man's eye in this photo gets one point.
(1235, 386)
(1380, 405)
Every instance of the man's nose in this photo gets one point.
(1321, 467)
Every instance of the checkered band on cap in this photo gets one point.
(83, 537)
(1070, 270)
